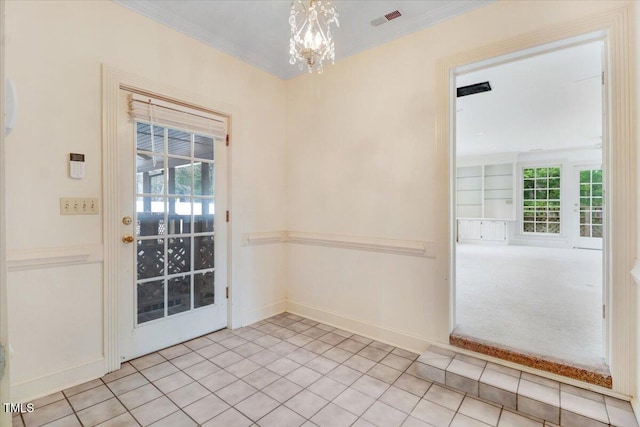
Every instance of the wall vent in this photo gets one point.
(473, 89)
(388, 17)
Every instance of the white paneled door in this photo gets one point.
(173, 266)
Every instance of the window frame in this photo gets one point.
(521, 205)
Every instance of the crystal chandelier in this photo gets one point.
(311, 40)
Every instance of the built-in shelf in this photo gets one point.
(485, 191)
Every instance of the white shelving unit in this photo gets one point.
(484, 201)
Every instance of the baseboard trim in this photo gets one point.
(397, 338)
(263, 312)
(37, 258)
(32, 389)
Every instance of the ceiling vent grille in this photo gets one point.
(473, 89)
(386, 18)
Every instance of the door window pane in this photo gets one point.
(203, 289)
(179, 295)
(150, 301)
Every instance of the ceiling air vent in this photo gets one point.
(388, 17)
(473, 89)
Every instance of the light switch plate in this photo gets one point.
(79, 206)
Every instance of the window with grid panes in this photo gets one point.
(541, 200)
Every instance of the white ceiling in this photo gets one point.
(546, 102)
(257, 31)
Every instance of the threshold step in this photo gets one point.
(528, 394)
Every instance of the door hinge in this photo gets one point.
(227, 216)
(227, 144)
(227, 292)
(604, 311)
(603, 78)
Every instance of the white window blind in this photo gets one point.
(163, 113)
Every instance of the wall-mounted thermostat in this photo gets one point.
(76, 165)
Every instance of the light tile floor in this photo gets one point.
(285, 371)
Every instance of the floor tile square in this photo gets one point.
(283, 334)
(68, 421)
(354, 401)
(188, 394)
(217, 380)
(153, 411)
(211, 350)
(225, 359)
(332, 338)
(306, 403)
(351, 345)
(359, 363)
(373, 353)
(384, 373)
(175, 351)
(101, 412)
(257, 405)
(444, 396)
(139, 396)
(333, 416)
(299, 340)
(318, 347)
(337, 354)
(383, 415)
(302, 356)
(396, 362)
(315, 332)
(48, 413)
(412, 384)
(281, 417)
(90, 397)
(264, 357)
(327, 388)
(510, 419)
(283, 348)
(404, 353)
(123, 420)
(127, 383)
(147, 361)
(201, 370)
(344, 375)
(159, 371)
(461, 420)
(198, 343)
(206, 408)
(479, 410)
(399, 399)
(177, 419)
(303, 376)
(283, 366)
(186, 360)
(173, 382)
(261, 378)
(229, 418)
(321, 364)
(267, 341)
(235, 392)
(370, 386)
(37, 403)
(248, 349)
(84, 387)
(282, 390)
(243, 368)
(432, 413)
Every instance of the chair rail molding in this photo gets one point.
(345, 241)
(37, 258)
(373, 244)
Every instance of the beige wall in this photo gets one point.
(362, 144)
(54, 55)
(349, 152)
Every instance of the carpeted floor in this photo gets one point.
(541, 301)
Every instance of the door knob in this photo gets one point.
(127, 238)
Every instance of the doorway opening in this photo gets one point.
(530, 213)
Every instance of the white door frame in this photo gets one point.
(112, 81)
(5, 383)
(574, 234)
(620, 154)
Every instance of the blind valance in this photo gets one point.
(163, 113)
